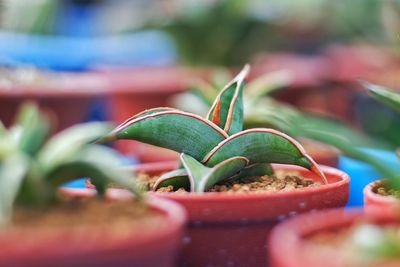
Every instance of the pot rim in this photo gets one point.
(175, 218)
(370, 195)
(216, 196)
(289, 235)
(173, 211)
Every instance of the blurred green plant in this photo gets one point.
(215, 148)
(37, 17)
(261, 110)
(33, 165)
(229, 33)
(351, 149)
(369, 243)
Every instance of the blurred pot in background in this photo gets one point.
(134, 90)
(68, 96)
(336, 238)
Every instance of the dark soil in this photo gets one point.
(384, 190)
(281, 181)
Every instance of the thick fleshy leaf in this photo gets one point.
(203, 178)
(145, 113)
(177, 178)
(254, 170)
(176, 130)
(67, 143)
(261, 145)
(101, 164)
(12, 172)
(34, 128)
(384, 95)
(227, 109)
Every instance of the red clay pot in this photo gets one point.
(134, 90)
(287, 241)
(374, 202)
(349, 63)
(230, 230)
(61, 248)
(69, 98)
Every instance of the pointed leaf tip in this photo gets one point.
(261, 145)
(383, 95)
(316, 169)
(227, 109)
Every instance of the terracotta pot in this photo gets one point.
(288, 245)
(68, 96)
(230, 229)
(135, 90)
(374, 202)
(63, 248)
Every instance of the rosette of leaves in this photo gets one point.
(215, 148)
(33, 165)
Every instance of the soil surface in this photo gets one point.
(384, 190)
(280, 181)
(90, 217)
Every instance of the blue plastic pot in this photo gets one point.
(148, 48)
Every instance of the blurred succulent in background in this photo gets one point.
(352, 149)
(261, 110)
(33, 165)
(369, 244)
(215, 148)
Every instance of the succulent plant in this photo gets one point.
(350, 148)
(215, 148)
(261, 110)
(33, 165)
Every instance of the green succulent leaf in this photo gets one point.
(177, 178)
(13, 170)
(204, 91)
(254, 170)
(227, 109)
(34, 128)
(176, 130)
(384, 95)
(96, 162)
(69, 142)
(203, 178)
(147, 112)
(261, 145)
(267, 84)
